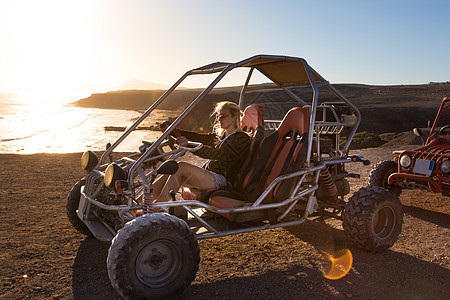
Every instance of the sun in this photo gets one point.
(52, 44)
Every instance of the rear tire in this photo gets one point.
(373, 219)
(72, 202)
(380, 173)
(153, 256)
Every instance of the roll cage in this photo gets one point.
(286, 73)
(435, 151)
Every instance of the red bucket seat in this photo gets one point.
(282, 152)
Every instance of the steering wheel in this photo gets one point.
(442, 130)
(171, 138)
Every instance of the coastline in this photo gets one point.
(78, 130)
(384, 108)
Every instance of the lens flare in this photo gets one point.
(339, 266)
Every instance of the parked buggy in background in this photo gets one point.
(296, 164)
(425, 168)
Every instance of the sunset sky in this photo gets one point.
(86, 46)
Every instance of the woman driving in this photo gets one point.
(225, 149)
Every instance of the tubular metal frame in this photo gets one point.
(224, 68)
(301, 192)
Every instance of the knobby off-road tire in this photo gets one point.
(373, 219)
(72, 202)
(380, 173)
(153, 256)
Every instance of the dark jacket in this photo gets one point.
(226, 156)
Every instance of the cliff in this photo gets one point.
(384, 108)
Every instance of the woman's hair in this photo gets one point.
(235, 113)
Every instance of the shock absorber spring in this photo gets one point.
(328, 182)
(147, 201)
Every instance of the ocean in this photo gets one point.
(60, 128)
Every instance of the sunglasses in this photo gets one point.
(222, 116)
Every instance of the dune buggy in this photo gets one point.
(426, 168)
(294, 171)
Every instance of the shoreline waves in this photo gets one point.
(31, 128)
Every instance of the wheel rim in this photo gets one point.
(384, 221)
(158, 263)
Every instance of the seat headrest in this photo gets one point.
(252, 118)
(296, 119)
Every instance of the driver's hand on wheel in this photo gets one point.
(164, 125)
(181, 139)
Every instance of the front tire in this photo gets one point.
(373, 219)
(153, 256)
(72, 202)
(380, 173)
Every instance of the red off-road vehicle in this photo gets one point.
(426, 168)
(294, 171)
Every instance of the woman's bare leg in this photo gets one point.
(188, 175)
(158, 185)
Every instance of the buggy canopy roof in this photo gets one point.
(284, 71)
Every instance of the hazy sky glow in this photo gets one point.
(96, 45)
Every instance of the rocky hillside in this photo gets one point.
(384, 108)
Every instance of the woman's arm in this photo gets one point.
(234, 147)
(207, 139)
(227, 158)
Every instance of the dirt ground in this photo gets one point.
(43, 257)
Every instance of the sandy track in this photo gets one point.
(43, 257)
